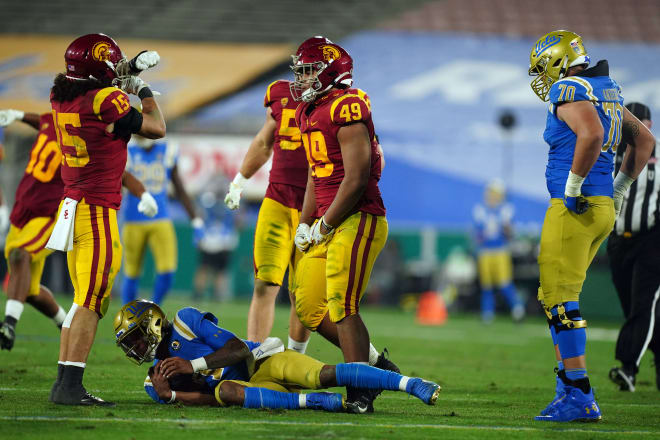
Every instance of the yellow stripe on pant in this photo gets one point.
(569, 243)
(96, 256)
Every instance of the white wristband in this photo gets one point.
(197, 222)
(198, 364)
(239, 180)
(173, 398)
(622, 182)
(573, 184)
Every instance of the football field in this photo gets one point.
(495, 379)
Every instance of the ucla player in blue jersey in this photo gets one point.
(492, 232)
(196, 362)
(155, 164)
(586, 121)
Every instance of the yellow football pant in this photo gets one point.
(96, 256)
(569, 243)
(160, 237)
(495, 268)
(288, 371)
(32, 237)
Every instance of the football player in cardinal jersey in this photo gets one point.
(32, 220)
(342, 225)
(279, 214)
(93, 122)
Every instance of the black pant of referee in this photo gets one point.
(635, 264)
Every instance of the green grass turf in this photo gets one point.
(495, 379)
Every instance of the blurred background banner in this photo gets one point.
(189, 75)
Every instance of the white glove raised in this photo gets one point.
(142, 61)
(132, 84)
(233, 197)
(317, 236)
(303, 237)
(8, 116)
(4, 219)
(148, 205)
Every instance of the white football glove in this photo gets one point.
(148, 205)
(4, 219)
(233, 197)
(142, 61)
(132, 84)
(303, 237)
(620, 187)
(317, 236)
(8, 116)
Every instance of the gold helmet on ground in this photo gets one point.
(551, 57)
(139, 329)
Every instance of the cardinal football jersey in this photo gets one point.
(40, 190)
(593, 85)
(94, 159)
(319, 123)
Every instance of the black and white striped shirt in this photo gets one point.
(639, 212)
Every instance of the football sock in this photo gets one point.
(300, 347)
(364, 376)
(162, 286)
(59, 317)
(72, 375)
(572, 342)
(129, 289)
(487, 304)
(265, 398)
(509, 293)
(560, 365)
(576, 373)
(13, 311)
(373, 355)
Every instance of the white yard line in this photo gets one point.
(216, 421)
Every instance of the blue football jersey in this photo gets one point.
(489, 224)
(604, 93)
(196, 334)
(153, 167)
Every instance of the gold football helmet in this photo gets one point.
(139, 329)
(551, 57)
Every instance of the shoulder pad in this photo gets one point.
(276, 91)
(110, 104)
(349, 108)
(570, 89)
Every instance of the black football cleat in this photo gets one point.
(77, 396)
(7, 336)
(91, 400)
(623, 378)
(384, 363)
(359, 400)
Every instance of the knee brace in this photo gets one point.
(564, 319)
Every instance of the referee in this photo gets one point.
(634, 252)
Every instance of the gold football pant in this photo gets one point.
(495, 268)
(274, 249)
(332, 277)
(288, 371)
(96, 256)
(160, 237)
(32, 237)
(569, 243)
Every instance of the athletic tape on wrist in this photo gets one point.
(198, 364)
(173, 398)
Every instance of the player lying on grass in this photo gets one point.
(198, 363)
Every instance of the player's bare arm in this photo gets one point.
(261, 147)
(192, 398)
(132, 184)
(153, 123)
(231, 353)
(181, 193)
(640, 142)
(356, 156)
(31, 119)
(582, 118)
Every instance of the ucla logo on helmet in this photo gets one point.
(175, 345)
(101, 51)
(549, 41)
(330, 53)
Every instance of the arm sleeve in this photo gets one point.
(349, 109)
(130, 123)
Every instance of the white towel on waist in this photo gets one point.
(62, 237)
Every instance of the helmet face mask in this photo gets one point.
(139, 330)
(551, 57)
(318, 66)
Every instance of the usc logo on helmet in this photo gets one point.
(330, 53)
(100, 51)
